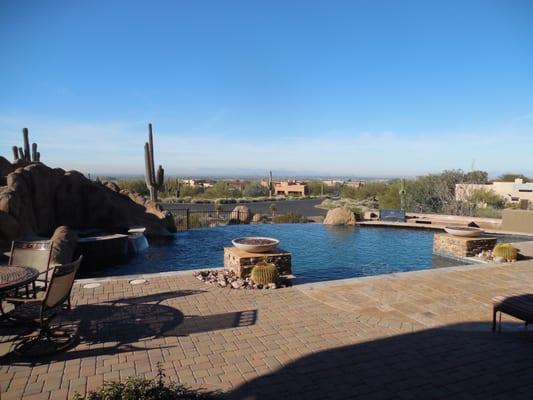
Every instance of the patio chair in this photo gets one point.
(41, 313)
(36, 255)
(517, 305)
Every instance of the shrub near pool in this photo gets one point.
(135, 388)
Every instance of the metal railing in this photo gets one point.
(189, 219)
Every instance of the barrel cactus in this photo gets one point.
(264, 273)
(505, 250)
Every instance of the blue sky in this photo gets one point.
(364, 88)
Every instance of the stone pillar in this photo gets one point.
(241, 262)
(456, 246)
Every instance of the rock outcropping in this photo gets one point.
(340, 216)
(36, 199)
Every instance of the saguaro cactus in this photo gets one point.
(20, 153)
(270, 185)
(154, 180)
(402, 193)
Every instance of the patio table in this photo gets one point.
(15, 276)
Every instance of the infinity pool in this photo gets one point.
(319, 252)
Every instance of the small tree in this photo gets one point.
(255, 189)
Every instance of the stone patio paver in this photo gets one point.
(422, 334)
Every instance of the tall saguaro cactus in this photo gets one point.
(270, 185)
(20, 153)
(154, 180)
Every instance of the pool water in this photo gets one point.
(319, 252)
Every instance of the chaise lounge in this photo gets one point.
(517, 305)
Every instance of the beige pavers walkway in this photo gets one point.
(412, 335)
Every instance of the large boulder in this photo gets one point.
(37, 199)
(340, 216)
(240, 214)
(64, 241)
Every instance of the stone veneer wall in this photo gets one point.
(446, 244)
(241, 262)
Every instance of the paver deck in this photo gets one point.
(422, 334)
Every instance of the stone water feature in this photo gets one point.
(460, 246)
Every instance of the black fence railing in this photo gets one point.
(189, 219)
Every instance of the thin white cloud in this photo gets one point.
(116, 147)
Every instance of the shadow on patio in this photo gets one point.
(455, 361)
(129, 324)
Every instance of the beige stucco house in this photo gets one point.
(512, 192)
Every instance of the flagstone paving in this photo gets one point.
(423, 334)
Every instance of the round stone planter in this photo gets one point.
(255, 244)
(463, 231)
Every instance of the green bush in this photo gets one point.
(221, 189)
(255, 189)
(134, 185)
(136, 388)
(486, 197)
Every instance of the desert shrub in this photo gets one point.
(190, 191)
(319, 188)
(370, 190)
(221, 189)
(255, 189)
(484, 198)
(134, 185)
(509, 177)
(487, 212)
(135, 388)
(390, 198)
(290, 218)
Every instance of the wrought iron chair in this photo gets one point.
(41, 313)
(36, 255)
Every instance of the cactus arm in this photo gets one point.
(25, 135)
(38, 156)
(147, 165)
(21, 153)
(160, 177)
(34, 152)
(15, 153)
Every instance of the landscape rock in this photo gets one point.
(240, 214)
(340, 216)
(64, 241)
(37, 199)
(225, 278)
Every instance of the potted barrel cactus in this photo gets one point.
(265, 273)
(506, 251)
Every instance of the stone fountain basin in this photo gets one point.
(255, 244)
(463, 231)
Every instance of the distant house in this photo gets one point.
(237, 184)
(512, 192)
(202, 183)
(287, 188)
(354, 184)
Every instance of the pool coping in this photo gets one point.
(459, 268)
(310, 285)
(144, 275)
